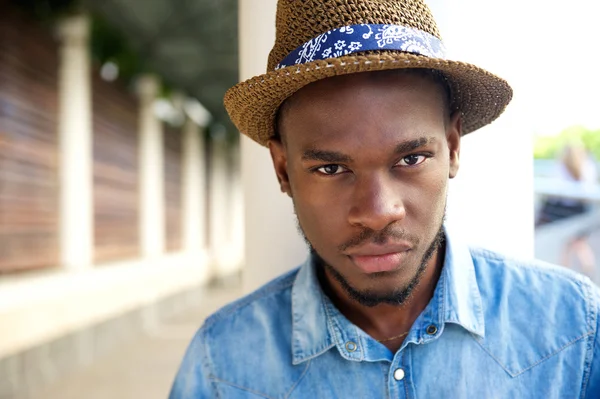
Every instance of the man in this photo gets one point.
(363, 118)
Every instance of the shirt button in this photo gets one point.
(351, 346)
(431, 330)
(399, 374)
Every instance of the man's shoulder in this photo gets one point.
(229, 349)
(526, 292)
(494, 269)
(267, 301)
(258, 323)
(533, 310)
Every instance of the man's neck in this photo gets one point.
(385, 321)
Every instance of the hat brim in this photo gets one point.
(252, 105)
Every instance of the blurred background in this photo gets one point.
(131, 208)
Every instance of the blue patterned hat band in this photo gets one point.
(365, 37)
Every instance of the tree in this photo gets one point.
(548, 147)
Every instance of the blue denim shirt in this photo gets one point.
(501, 329)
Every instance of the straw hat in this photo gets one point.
(317, 39)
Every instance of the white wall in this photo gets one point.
(491, 200)
(272, 244)
(534, 45)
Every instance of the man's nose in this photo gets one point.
(376, 203)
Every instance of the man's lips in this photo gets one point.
(379, 258)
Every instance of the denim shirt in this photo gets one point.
(494, 328)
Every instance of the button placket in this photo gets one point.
(398, 374)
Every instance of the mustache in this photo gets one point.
(390, 233)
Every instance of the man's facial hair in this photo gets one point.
(397, 297)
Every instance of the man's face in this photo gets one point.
(366, 159)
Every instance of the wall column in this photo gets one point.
(236, 221)
(272, 244)
(152, 192)
(75, 144)
(220, 212)
(194, 188)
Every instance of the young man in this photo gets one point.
(363, 117)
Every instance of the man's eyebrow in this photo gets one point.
(325, 156)
(334, 156)
(411, 145)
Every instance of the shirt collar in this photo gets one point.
(318, 326)
(460, 295)
(310, 338)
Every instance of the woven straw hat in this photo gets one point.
(317, 39)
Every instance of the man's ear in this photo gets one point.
(453, 135)
(279, 157)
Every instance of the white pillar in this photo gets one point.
(219, 206)
(491, 200)
(75, 144)
(151, 172)
(236, 221)
(194, 188)
(272, 243)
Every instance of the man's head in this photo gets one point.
(366, 159)
(365, 155)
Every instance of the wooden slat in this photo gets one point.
(28, 144)
(173, 150)
(116, 194)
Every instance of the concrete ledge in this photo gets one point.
(37, 309)
(27, 375)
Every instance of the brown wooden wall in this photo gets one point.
(116, 193)
(173, 153)
(28, 145)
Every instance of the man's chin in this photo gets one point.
(400, 282)
(371, 296)
(392, 287)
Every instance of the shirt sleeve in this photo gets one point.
(192, 379)
(593, 381)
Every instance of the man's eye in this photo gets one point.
(331, 169)
(412, 160)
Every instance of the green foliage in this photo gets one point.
(48, 10)
(548, 147)
(108, 44)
